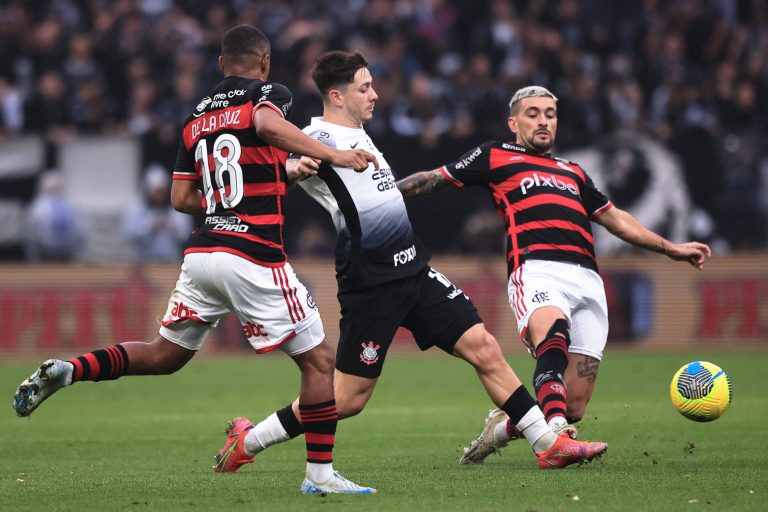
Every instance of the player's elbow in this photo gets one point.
(265, 131)
(186, 203)
(179, 202)
(185, 197)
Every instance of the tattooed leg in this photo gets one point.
(580, 377)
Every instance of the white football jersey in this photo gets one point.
(375, 241)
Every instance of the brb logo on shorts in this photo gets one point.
(370, 353)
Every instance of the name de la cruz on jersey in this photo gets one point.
(211, 122)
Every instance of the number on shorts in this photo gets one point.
(225, 163)
(434, 274)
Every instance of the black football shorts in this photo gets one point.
(428, 304)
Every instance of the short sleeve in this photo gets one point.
(595, 202)
(320, 135)
(184, 169)
(275, 96)
(472, 168)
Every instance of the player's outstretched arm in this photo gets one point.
(272, 128)
(422, 183)
(625, 226)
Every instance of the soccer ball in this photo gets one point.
(701, 391)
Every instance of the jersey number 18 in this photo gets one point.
(226, 156)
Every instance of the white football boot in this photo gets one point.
(336, 485)
(486, 443)
(46, 380)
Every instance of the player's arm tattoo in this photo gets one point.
(422, 183)
(587, 368)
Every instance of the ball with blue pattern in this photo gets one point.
(701, 391)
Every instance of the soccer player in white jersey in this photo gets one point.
(554, 287)
(385, 281)
(235, 260)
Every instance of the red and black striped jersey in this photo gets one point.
(546, 203)
(242, 178)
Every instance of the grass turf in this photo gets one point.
(147, 443)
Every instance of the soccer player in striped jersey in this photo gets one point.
(230, 170)
(555, 291)
(385, 281)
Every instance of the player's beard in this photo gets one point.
(541, 147)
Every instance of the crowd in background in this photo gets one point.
(691, 74)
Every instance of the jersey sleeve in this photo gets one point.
(595, 202)
(471, 168)
(321, 135)
(184, 169)
(274, 96)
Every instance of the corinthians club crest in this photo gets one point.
(370, 354)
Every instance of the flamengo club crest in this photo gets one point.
(370, 354)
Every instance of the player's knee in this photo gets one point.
(483, 351)
(560, 329)
(350, 407)
(317, 361)
(324, 358)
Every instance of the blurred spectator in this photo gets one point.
(482, 234)
(47, 112)
(314, 240)
(691, 74)
(11, 108)
(52, 230)
(157, 231)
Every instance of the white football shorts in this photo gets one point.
(273, 306)
(577, 291)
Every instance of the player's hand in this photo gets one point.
(694, 253)
(356, 159)
(307, 166)
(299, 169)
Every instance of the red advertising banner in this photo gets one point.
(653, 302)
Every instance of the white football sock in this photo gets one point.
(536, 431)
(500, 434)
(70, 372)
(319, 473)
(267, 432)
(557, 421)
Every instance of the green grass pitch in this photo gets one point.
(147, 443)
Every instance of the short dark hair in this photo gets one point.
(244, 41)
(337, 68)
